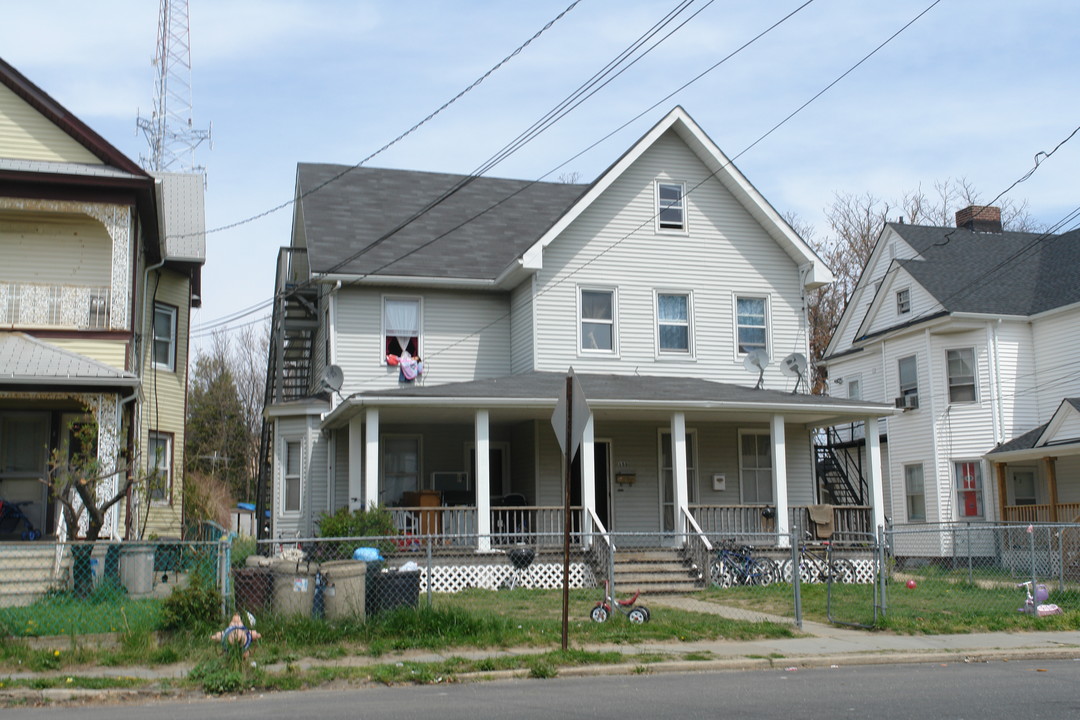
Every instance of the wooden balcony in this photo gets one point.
(1047, 513)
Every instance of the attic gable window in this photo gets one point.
(670, 210)
(401, 326)
(903, 301)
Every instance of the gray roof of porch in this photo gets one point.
(536, 393)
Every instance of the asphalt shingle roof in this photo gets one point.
(1008, 273)
(637, 388)
(352, 212)
(25, 360)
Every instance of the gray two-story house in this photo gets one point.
(425, 324)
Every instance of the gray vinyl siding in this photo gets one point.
(464, 336)
(521, 328)
(922, 303)
(341, 469)
(313, 487)
(613, 244)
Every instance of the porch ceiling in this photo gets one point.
(629, 397)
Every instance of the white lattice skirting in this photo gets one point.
(864, 571)
(455, 578)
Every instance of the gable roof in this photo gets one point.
(25, 360)
(1007, 273)
(65, 120)
(488, 226)
(1047, 439)
(723, 170)
(462, 237)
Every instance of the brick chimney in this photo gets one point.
(979, 218)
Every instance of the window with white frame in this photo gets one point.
(751, 324)
(903, 301)
(908, 369)
(160, 451)
(670, 206)
(667, 476)
(597, 311)
(401, 326)
(673, 323)
(915, 493)
(293, 477)
(960, 364)
(164, 337)
(755, 467)
(969, 495)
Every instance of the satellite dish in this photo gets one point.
(332, 378)
(794, 365)
(756, 361)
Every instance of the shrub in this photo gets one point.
(195, 607)
(243, 547)
(374, 522)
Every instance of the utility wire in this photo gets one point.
(613, 69)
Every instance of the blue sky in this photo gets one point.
(973, 89)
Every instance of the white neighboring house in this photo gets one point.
(973, 332)
(653, 282)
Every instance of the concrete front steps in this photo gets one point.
(655, 571)
(26, 571)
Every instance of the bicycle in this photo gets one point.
(737, 565)
(817, 564)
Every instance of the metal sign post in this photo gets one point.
(568, 420)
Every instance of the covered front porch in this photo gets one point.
(479, 462)
(1038, 473)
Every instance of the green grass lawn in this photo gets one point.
(940, 603)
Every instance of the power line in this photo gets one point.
(613, 69)
(396, 140)
(610, 65)
(710, 175)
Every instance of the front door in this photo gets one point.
(24, 440)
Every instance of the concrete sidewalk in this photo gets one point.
(819, 645)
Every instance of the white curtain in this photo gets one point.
(402, 320)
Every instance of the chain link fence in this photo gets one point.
(89, 588)
(927, 578)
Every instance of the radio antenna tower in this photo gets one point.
(168, 130)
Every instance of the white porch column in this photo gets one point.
(356, 464)
(780, 485)
(873, 458)
(483, 482)
(371, 458)
(678, 455)
(588, 482)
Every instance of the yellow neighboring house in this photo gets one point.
(100, 266)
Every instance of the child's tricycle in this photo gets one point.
(636, 614)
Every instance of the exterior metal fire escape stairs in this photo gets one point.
(293, 330)
(838, 464)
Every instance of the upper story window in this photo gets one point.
(961, 370)
(903, 301)
(670, 206)
(401, 326)
(752, 324)
(909, 381)
(597, 313)
(854, 389)
(160, 481)
(164, 337)
(673, 323)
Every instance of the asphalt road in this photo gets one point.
(976, 691)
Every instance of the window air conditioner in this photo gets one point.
(907, 402)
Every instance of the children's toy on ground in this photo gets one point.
(603, 609)
(237, 633)
(1036, 604)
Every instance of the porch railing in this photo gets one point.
(1066, 512)
(746, 521)
(509, 525)
(68, 306)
